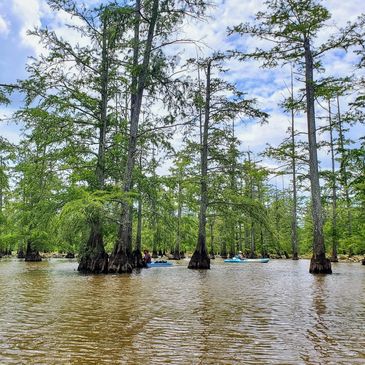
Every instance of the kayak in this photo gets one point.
(159, 264)
(239, 261)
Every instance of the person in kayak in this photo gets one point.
(146, 257)
(240, 256)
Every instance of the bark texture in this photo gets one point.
(343, 167)
(94, 260)
(224, 250)
(334, 257)
(121, 259)
(200, 258)
(31, 254)
(137, 258)
(294, 230)
(121, 262)
(319, 263)
(137, 253)
(211, 254)
(20, 254)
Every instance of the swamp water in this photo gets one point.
(274, 313)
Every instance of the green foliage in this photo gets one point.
(68, 171)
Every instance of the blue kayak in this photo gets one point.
(159, 264)
(236, 260)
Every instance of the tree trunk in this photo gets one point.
(319, 262)
(247, 238)
(294, 223)
(334, 257)
(264, 252)
(252, 253)
(224, 249)
(233, 187)
(137, 253)
(121, 259)
(343, 168)
(137, 258)
(20, 254)
(176, 255)
(94, 259)
(252, 247)
(31, 254)
(200, 258)
(155, 220)
(139, 225)
(212, 256)
(240, 245)
(156, 235)
(100, 167)
(232, 246)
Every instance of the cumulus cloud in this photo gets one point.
(36, 13)
(29, 14)
(4, 26)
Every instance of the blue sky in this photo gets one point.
(268, 86)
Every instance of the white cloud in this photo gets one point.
(29, 14)
(36, 13)
(4, 26)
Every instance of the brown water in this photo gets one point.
(275, 313)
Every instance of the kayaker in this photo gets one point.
(146, 257)
(240, 256)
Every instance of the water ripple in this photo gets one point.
(274, 313)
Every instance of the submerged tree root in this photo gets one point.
(199, 261)
(137, 259)
(120, 263)
(94, 264)
(320, 265)
(33, 256)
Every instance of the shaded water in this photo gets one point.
(275, 313)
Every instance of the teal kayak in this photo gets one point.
(236, 260)
(159, 264)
